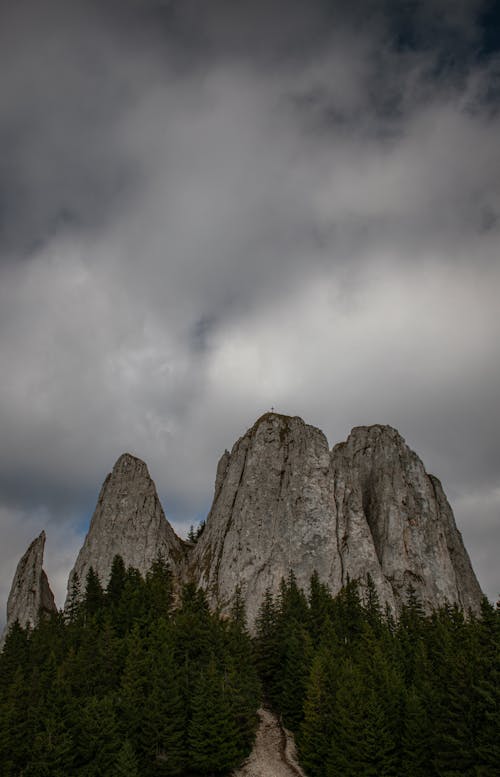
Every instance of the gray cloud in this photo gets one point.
(210, 209)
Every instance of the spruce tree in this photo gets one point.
(487, 747)
(16, 726)
(116, 583)
(99, 741)
(294, 674)
(94, 594)
(320, 603)
(134, 690)
(416, 739)
(269, 647)
(316, 730)
(73, 609)
(126, 764)
(158, 590)
(241, 674)
(163, 729)
(212, 731)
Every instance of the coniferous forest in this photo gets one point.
(134, 680)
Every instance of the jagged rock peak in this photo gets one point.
(30, 595)
(284, 502)
(129, 521)
(130, 466)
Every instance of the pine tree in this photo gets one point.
(487, 689)
(164, 718)
(416, 740)
(372, 608)
(16, 726)
(52, 750)
(158, 590)
(98, 742)
(117, 580)
(347, 614)
(15, 654)
(126, 764)
(73, 609)
(269, 647)
(292, 601)
(212, 731)
(241, 676)
(316, 730)
(320, 603)
(134, 690)
(108, 659)
(294, 674)
(94, 594)
(457, 725)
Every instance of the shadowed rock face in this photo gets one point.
(128, 521)
(30, 595)
(284, 502)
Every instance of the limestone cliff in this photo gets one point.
(272, 512)
(30, 594)
(284, 502)
(128, 521)
(409, 526)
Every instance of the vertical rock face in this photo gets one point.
(128, 521)
(283, 502)
(409, 527)
(272, 512)
(30, 595)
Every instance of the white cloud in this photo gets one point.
(202, 241)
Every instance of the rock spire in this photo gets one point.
(30, 595)
(129, 521)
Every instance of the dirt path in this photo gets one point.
(273, 753)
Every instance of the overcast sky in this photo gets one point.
(212, 207)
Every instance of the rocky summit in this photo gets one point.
(283, 502)
(128, 521)
(30, 594)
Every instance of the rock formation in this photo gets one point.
(272, 512)
(284, 502)
(30, 595)
(129, 521)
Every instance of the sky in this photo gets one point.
(209, 208)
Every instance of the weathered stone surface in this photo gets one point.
(129, 521)
(379, 482)
(30, 595)
(271, 512)
(283, 502)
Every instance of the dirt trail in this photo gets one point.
(273, 753)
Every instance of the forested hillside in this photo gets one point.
(134, 681)
(368, 697)
(125, 684)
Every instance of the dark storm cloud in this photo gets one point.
(209, 208)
